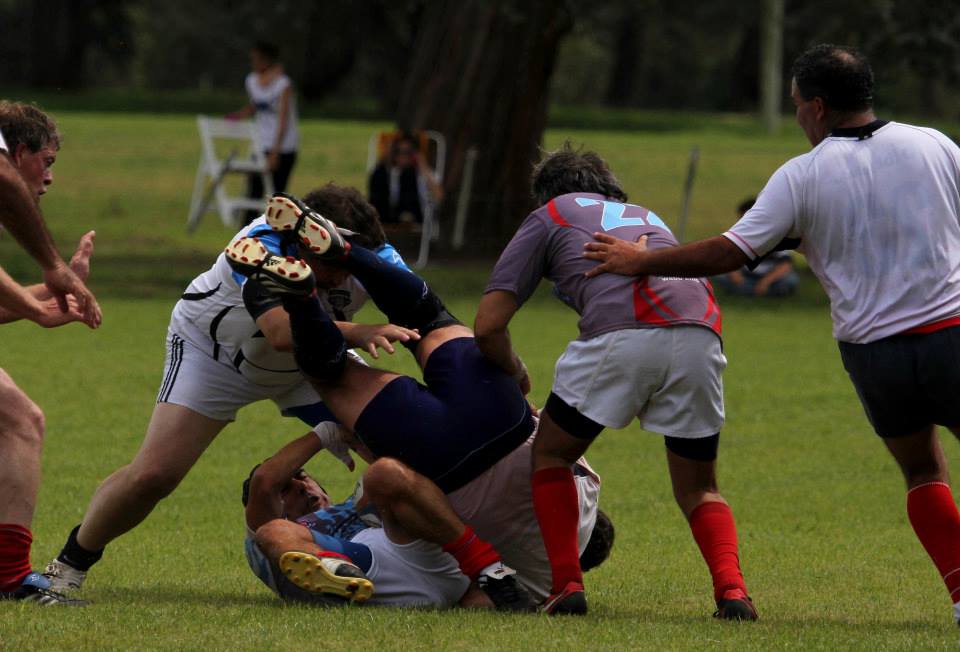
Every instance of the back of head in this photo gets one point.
(841, 76)
(267, 50)
(26, 124)
(349, 210)
(600, 544)
(569, 170)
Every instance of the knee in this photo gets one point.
(268, 534)
(20, 417)
(387, 479)
(152, 484)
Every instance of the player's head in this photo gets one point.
(348, 209)
(33, 141)
(569, 170)
(830, 83)
(301, 495)
(263, 54)
(600, 543)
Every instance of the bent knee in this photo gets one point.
(20, 417)
(387, 477)
(270, 535)
(153, 484)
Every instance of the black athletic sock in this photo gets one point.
(76, 555)
(318, 345)
(401, 295)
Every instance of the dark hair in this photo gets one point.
(348, 209)
(600, 544)
(573, 170)
(746, 205)
(839, 75)
(268, 50)
(26, 124)
(245, 496)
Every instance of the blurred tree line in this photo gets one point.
(628, 53)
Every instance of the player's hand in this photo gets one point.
(80, 262)
(52, 316)
(334, 438)
(62, 281)
(370, 337)
(616, 256)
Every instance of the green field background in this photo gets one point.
(827, 551)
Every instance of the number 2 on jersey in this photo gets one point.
(613, 217)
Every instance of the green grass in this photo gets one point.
(826, 548)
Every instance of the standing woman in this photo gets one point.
(274, 108)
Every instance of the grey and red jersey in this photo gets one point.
(549, 244)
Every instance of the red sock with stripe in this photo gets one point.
(934, 517)
(557, 506)
(15, 543)
(716, 534)
(472, 553)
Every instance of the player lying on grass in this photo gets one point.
(225, 350)
(467, 416)
(649, 348)
(876, 206)
(306, 549)
(29, 142)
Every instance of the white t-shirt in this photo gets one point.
(3, 143)
(266, 104)
(879, 219)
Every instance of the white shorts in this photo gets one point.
(193, 379)
(498, 505)
(417, 574)
(671, 379)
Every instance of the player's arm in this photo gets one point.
(370, 337)
(267, 483)
(79, 263)
(18, 302)
(496, 310)
(704, 258)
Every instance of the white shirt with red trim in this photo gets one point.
(879, 218)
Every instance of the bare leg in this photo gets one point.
(920, 457)
(175, 439)
(21, 445)
(694, 482)
(279, 536)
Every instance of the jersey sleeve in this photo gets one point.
(772, 218)
(3, 143)
(388, 253)
(523, 261)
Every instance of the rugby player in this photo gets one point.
(875, 207)
(226, 348)
(468, 415)
(29, 142)
(298, 531)
(649, 348)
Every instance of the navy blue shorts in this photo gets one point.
(468, 416)
(907, 382)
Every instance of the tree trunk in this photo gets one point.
(480, 75)
(771, 64)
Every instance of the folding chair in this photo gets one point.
(245, 157)
(431, 142)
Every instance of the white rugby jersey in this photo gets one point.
(211, 315)
(3, 143)
(878, 211)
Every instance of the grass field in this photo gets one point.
(826, 548)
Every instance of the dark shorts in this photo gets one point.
(467, 417)
(907, 382)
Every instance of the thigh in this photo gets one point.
(359, 385)
(690, 401)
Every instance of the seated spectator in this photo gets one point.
(774, 276)
(402, 184)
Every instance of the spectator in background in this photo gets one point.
(402, 184)
(773, 276)
(273, 105)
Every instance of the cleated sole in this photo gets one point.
(251, 258)
(317, 575)
(285, 213)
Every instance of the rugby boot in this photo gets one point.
(327, 573)
(735, 605)
(63, 577)
(504, 591)
(36, 588)
(322, 238)
(571, 601)
(283, 274)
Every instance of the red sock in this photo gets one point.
(472, 553)
(15, 543)
(557, 506)
(716, 534)
(934, 517)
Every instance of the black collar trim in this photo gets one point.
(860, 133)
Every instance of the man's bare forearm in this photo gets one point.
(704, 258)
(21, 217)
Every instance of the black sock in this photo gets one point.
(76, 555)
(401, 295)
(318, 345)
